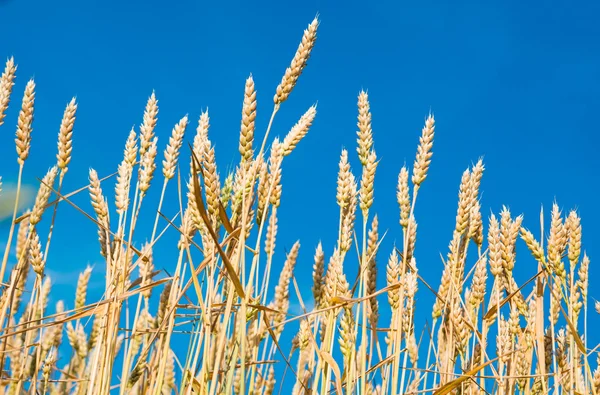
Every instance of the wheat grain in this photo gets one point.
(95, 331)
(77, 339)
(318, 275)
(282, 292)
(573, 224)
(21, 272)
(534, 246)
(42, 196)
(169, 383)
(367, 182)
(442, 293)
(6, 84)
(349, 216)
(412, 239)
(479, 283)
(96, 195)
(410, 290)
(100, 206)
(508, 234)
(45, 291)
(131, 148)
(227, 189)
(275, 172)
(22, 236)
(335, 281)
(188, 229)
(555, 303)
(122, 186)
(288, 82)
(163, 305)
(47, 369)
(557, 241)
(393, 277)
(299, 130)
(82, 285)
(148, 125)
(503, 342)
(347, 338)
(148, 166)
(211, 180)
(248, 121)
(172, 150)
(24, 128)
(146, 268)
(65, 136)
(343, 181)
(464, 203)
(403, 197)
(201, 135)
(365, 131)
(475, 228)
(460, 327)
(373, 238)
(583, 281)
(476, 224)
(423, 158)
(495, 247)
(192, 206)
(271, 233)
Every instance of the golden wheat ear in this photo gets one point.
(299, 61)
(7, 81)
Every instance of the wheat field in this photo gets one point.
(229, 293)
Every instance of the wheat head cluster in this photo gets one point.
(229, 294)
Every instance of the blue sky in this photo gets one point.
(516, 83)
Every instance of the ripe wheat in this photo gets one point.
(488, 334)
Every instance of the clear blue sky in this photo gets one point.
(515, 82)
